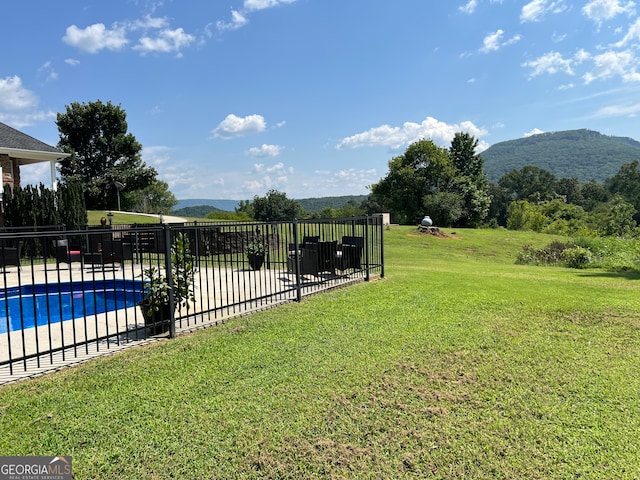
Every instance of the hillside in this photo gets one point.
(583, 154)
(200, 207)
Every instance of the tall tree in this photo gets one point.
(275, 206)
(470, 180)
(449, 185)
(102, 151)
(423, 169)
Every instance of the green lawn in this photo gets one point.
(459, 364)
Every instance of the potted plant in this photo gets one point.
(256, 251)
(157, 294)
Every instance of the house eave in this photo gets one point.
(26, 157)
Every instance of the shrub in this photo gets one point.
(576, 257)
(550, 255)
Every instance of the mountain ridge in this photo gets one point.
(583, 154)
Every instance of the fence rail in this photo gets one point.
(70, 295)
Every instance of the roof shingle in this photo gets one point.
(12, 138)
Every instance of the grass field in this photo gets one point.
(459, 364)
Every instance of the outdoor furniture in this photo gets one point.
(104, 250)
(10, 256)
(349, 254)
(314, 257)
(65, 254)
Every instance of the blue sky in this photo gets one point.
(314, 97)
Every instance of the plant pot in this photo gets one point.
(158, 320)
(255, 261)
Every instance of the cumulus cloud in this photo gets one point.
(14, 96)
(551, 63)
(268, 177)
(156, 36)
(600, 11)
(609, 64)
(265, 151)
(19, 105)
(166, 41)
(494, 41)
(96, 37)
(409, 132)
(535, 10)
(234, 126)
(535, 131)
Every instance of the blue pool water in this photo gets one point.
(31, 305)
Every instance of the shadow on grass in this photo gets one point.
(630, 275)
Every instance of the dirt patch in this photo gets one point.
(433, 231)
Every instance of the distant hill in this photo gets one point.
(197, 211)
(201, 207)
(316, 205)
(583, 154)
(226, 205)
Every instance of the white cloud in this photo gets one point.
(72, 61)
(550, 63)
(234, 126)
(239, 18)
(610, 64)
(632, 110)
(265, 151)
(469, 8)
(156, 155)
(535, 131)
(602, 10)
(251, 5)
(167, 41)
(409, 132)
(149, 22)
(95, 38)
(493, 41)
(535, 10)
(632, 34)
(13, 96)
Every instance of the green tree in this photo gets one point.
(626, 183)
(275, 206)
(102, 152)
(524, 215)
(529, 183)
(245, 207)
(593, 195)
(470, 180)
(620, 220)
(156, 198)
(424, 169)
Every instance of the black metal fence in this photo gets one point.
(70, 295)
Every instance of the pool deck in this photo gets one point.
(221, 294)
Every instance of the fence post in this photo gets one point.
(168, 272)
(296, 256)
(381, 222)
(366, 249)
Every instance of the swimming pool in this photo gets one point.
(30, 305)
